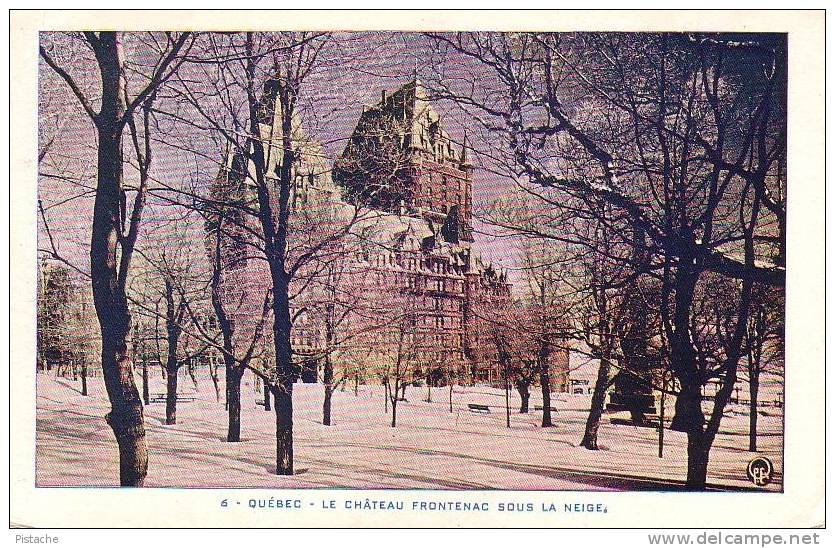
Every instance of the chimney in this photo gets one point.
(383, 102)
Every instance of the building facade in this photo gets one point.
(400, 160)
(402, 193)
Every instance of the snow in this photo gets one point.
(430, 448)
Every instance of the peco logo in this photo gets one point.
(760, 471)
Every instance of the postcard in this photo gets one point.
(438, 269)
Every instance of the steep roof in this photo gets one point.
(417, 122)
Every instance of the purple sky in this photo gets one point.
(356, 69)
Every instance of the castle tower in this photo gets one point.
(400, 159)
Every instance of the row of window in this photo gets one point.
(416, 282)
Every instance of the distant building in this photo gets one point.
(400, 160)
(414, 240)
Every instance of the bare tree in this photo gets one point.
(765, 348)
(690, 153)
(64, 323)
(251, 99)
(338, 307)
(545, 302)
(114, 233)
(181, 291)
(398, 347)
(399, 370)
(501, 340)
(240, 343)
(55, 289)
(598, 332)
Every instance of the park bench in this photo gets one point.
(761, 403)
(162, 398)
(650, 421)
(539, 408)
(478, 408)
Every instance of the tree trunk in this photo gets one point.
(327, 380)
(283, 431)
(84, 378)
(507, 397)
(697, 459)
(172, 365)
(233, 400)
(545, 382)
(689, 416)
(754, 388)
(386, 391)
(283, 397)
(283, 391)
(216, 384)
(146, 397)
(112, 244)
(394, 399)
(598, 400)
(326, 405)
(661, 413)
(267, 398)
(125, 417)
(226, 387)
(524, 394)
(190, 370)
(171, 397)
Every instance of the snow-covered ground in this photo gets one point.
(430, 448)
